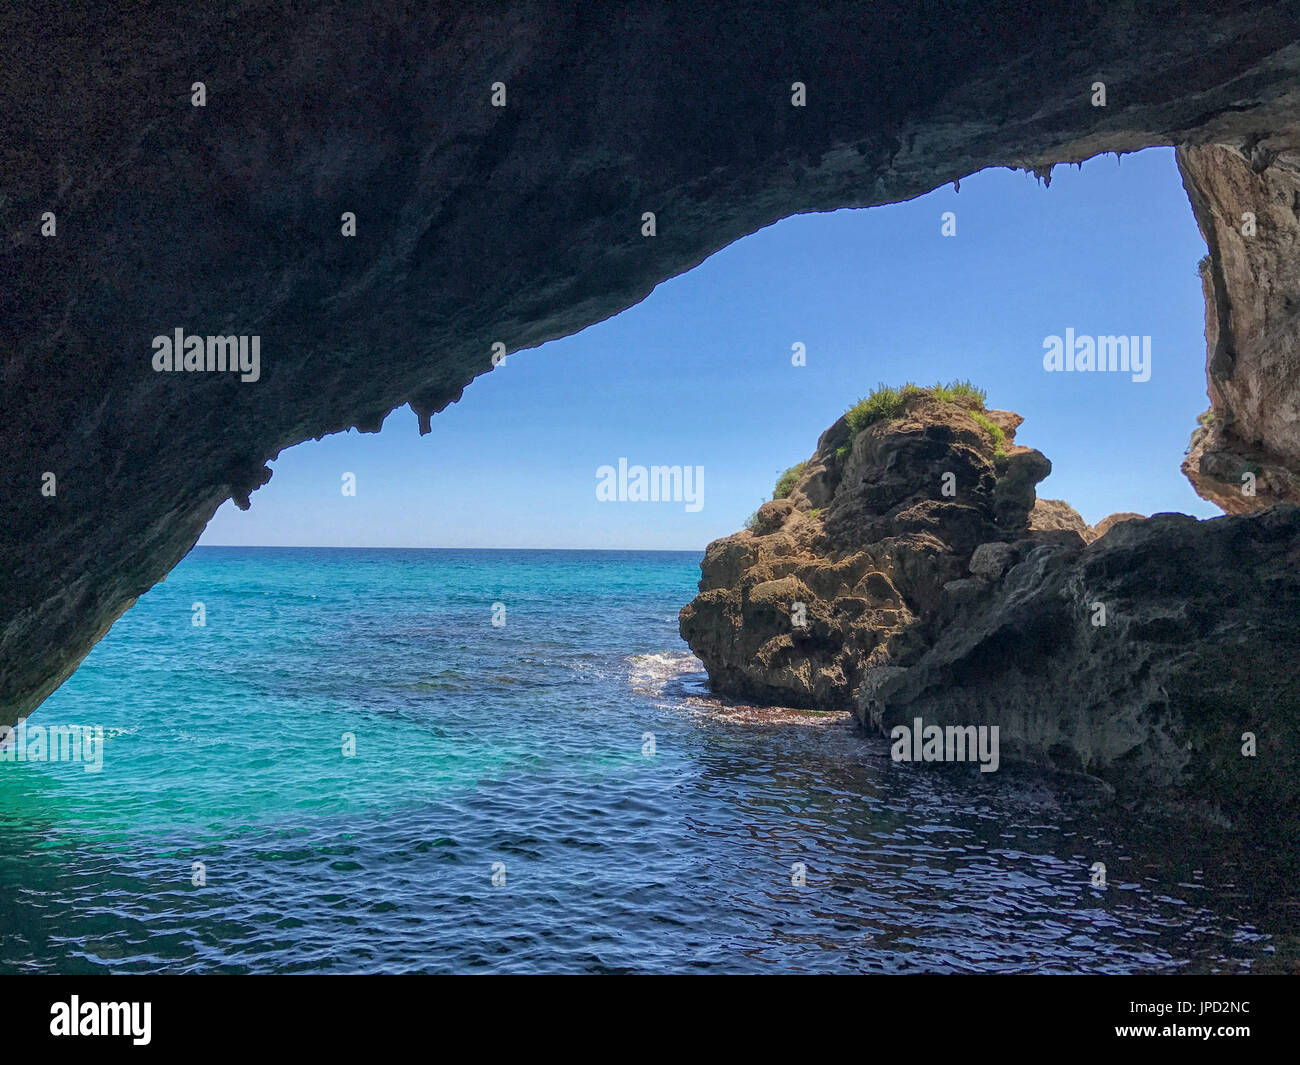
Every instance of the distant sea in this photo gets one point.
(555, 793)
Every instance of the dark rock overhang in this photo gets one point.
(479, 225)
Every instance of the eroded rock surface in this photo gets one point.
(1057, 516)
(1245, 455)
(475, 225)
(1143, 659)
(849, 572)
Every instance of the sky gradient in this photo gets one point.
(700, 373)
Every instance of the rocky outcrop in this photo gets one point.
(1147, 659)
(850, 570)
(1147, 652)
(1245, 454)
(128, 211)
(1109, 522)
(1055, 515)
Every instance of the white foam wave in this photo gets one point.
(651, 673)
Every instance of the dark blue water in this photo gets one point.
(524, 750)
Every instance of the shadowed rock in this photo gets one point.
(1197, 647)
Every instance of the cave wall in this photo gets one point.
(1247, 204)
(478, 224)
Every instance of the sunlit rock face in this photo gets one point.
(850, 572)
(1246, 453)
(475, 225)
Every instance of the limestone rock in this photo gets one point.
(1109, 522)
(1199, 646)
(992, 560)
(1053, 515)
(887, 553)
(1245, 455)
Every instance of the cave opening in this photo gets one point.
(737, 366)
(600, 674)
(518, 701)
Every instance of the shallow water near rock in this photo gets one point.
(526, 745)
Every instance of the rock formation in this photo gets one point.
(1245, 454)
(129, 211)
(911, 572)
(876, 528)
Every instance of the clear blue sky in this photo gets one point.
(700, 373)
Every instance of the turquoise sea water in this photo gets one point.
(522, 750)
